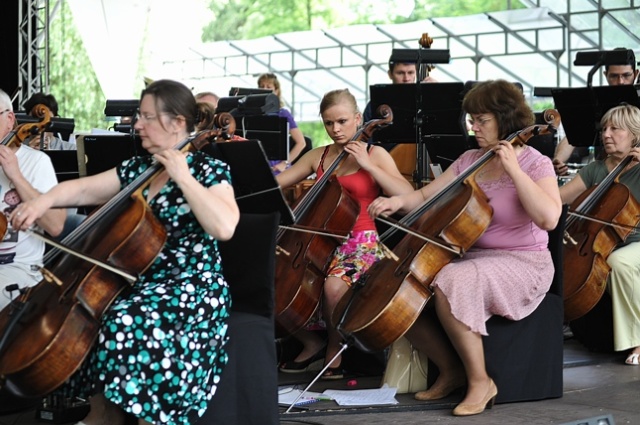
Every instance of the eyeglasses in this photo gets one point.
(480, 121)
(624, 76)
(145, 118)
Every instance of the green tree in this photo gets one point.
(426, 9)
(72, 79)
(248, 19)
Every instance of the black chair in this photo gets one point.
(248, 390)
(525, 357)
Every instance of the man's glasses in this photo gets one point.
(625, 76)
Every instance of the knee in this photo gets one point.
(334, 289)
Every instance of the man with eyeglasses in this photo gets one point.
(616, 75)
(24, 174)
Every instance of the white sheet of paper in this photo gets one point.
(372, 397)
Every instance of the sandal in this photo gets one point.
(633, 359)
(332, 373)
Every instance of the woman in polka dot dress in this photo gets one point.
(160, 351)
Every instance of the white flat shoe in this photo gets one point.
(633, 359)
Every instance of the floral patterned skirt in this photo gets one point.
(350, 260)
(354, 257)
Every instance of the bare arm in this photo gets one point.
(571, 190)
(409, 201)
(379, 163)
(540, 199)
(53, 221)
(93, 190)
(561, 155)
(302, 169)
(215, 207)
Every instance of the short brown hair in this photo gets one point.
(503, 99)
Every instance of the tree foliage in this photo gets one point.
(248, 19)
(72, 80)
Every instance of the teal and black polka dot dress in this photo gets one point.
(160, 351)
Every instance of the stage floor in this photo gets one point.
(596, 386)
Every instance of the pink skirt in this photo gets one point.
(495, 282)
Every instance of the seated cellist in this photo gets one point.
(365, 172)
(160, 350)
(509, 269)
(620, 137)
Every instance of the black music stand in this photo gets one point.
(582, 108)
(271, 130)
(243, 91)
(101, 152)
(439, 115)
(255, 187)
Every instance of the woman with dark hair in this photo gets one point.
(160, 350)
(509, 269)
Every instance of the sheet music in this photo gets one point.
(371, 397)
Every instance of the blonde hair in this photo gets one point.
(624, 116)
(271, 78)
(335, 97)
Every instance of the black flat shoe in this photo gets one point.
(313, 363)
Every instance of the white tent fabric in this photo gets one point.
(131, 39)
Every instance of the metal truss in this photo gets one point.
(550, 39)
(34, 18)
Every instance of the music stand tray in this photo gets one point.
(582, 108)
(255, 187)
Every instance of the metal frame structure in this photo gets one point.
(513, 44)
(34, 17)
(517, 44)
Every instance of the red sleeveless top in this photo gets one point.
(362, 187)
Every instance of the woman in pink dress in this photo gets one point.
(509, 269)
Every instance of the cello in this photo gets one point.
(304, 256)
(390, 296)
(600, 219)
(47, 332)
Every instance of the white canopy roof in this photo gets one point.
(527, 45)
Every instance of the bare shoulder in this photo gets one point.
(378, 152)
